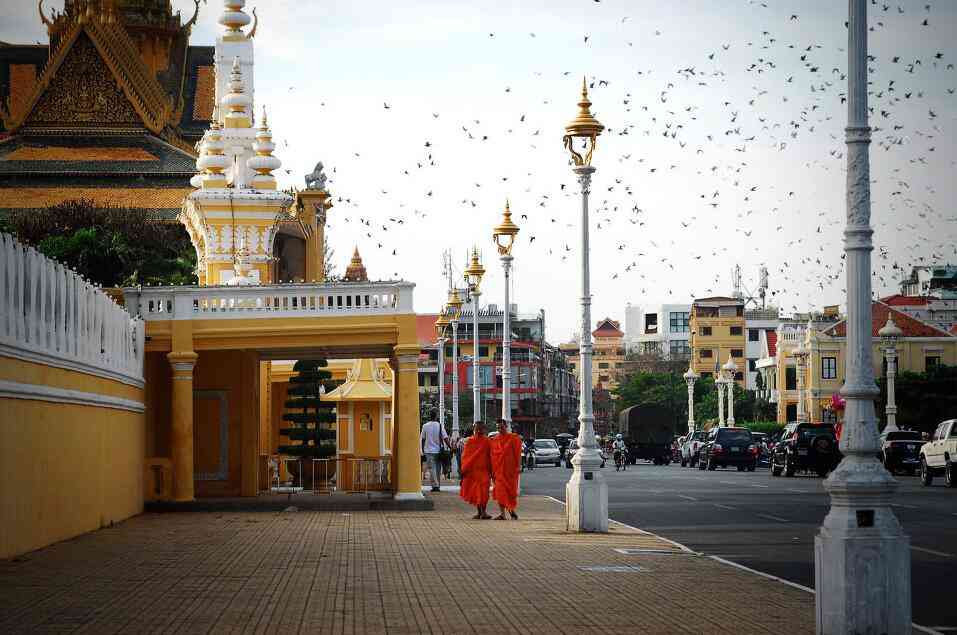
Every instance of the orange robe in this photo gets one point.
(506, 458)
(476, 470)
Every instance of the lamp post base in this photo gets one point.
(861, 555)
(586, 494)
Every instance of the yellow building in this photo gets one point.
(718, 334)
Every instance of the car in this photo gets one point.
(689, 449)
(728, 446)
(900, 450)
(761, 440)
(939, 455)
(806, 447)
(546, 451)
(676, 449)
(573, 448)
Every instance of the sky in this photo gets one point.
(724, 144)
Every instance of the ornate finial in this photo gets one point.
(316, 180)
(356, 271)
(583, 126)
(252, 32)
(43, 18)
(236, 99)
(263, 163)
(233, 18)
(505, 232)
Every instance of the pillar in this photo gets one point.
(249, 423)
(181, 437)
(407, 453)
(313, 205)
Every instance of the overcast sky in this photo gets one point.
(724, 143)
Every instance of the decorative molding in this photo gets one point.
(222, 473)
(40, 392)
(22, 353)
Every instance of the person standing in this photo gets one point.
(434, 438)
(458, 446)
(476, 471)
(506, 458)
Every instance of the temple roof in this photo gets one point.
(908, 324)
(144, 154)
(363, 383)
(356, 271)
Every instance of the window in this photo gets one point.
(790, 378)
(651, 322)
(679, 348)
(736, 330)
(679, 322)
(752, 365)
(483, 351)
(421, 380)
(953, 431)
(931, 362)
(705, 330)
(705, 353)
(791, 412)
(739, 376)
(603, 365)
(737, 352)
(754, 335)
(828, 368)
(485, 375)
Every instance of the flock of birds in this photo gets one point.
(715, 143)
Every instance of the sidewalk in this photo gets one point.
(385, 572)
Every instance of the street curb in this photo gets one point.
(915, 626)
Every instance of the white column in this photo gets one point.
(455, 373)
(586, 493)
(800, 357)
(861, 555)
(476, 384)
(891, 408)
(729, 389)
(507, 350)
(690, 405)
(455, 422)
(719, 384)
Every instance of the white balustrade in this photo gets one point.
(261, 301)
(51, 315)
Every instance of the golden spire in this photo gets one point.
(356, 271)
(507, 230)
(583, 126)
(236, 99)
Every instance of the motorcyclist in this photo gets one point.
(619, 449)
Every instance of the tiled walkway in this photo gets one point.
(385, 572)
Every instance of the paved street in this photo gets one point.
(769, 524)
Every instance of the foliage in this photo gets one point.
(109, 246)
(768, 427)
(312, 429)
(923, 399)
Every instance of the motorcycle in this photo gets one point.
(528, 459)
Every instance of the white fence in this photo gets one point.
(49, 314)
(264, 301)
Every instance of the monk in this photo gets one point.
(476, 470)
(506, 459)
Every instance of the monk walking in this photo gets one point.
(506, 459)
(476, 470)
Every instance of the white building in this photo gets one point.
(938, 311)
(658, 327)
(757, 322)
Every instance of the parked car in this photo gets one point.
(939, 455)
(806, 447)
(728, 446)
(761, 441)
(573, 448)
(900, 450)
(546, 451)
(689, 449)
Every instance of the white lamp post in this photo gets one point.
(730, 369)
(890, 334)
(690, 378)
(586, 494)
(719, 383)
(441, 324)
(455, 311)
(861, 555)
(504, 237)
(800, 359)
(473, 277)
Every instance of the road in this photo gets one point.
(769, 524)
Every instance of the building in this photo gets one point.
(931, 280)
(109, 110)
(939, 311)
(757, 323)
(658, 329)
(718, 325)
(609, 366)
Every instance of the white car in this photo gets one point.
(689, 449)
(546, 451)
(939, 455)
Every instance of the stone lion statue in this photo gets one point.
(316, 180)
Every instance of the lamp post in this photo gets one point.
(473, 277)
(730, 368)
(890, 334)
(441, 324)
(586, 493)
(719, 383)
(800, 358)
(504, 237)
(455, 311)
(861, 555)
(690, 378)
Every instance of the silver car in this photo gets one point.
(546, 451)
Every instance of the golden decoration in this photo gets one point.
(507, 230)
(475, 271)
(583, 126)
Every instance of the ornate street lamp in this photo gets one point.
(586, 493)
(800, 355)
(730, 369)
(690, 378)
(890, 335)
(441, 324)
(719, 384)
(861, 555)
(473, 278)
(455, 312)
(504, 237)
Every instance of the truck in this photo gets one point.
(939, 455)
(647, 432)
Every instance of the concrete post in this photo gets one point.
(455, 372)
(476, 378)
(181, 438)
(507, 350)
(406, 422)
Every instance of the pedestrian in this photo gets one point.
(506, 458)
(475, 470)
(458, 447)
(434, 441)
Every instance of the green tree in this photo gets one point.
(923, 399)
(311, 434)
(109, 246)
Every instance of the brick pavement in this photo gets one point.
(384, 572)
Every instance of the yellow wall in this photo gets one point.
(66, 469)
(720, 342)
